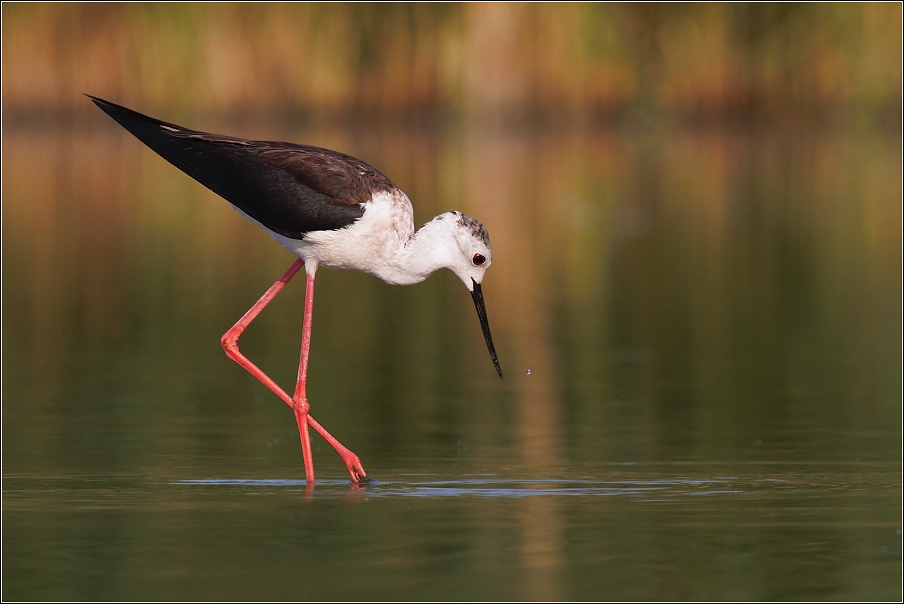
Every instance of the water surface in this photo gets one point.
(710, 320)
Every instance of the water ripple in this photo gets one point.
(513, 488)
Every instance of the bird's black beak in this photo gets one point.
(477, 294)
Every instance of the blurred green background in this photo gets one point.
(696, 218)
(815, 63)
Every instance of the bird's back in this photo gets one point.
(290, 189)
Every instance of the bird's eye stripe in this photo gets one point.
(478, 259)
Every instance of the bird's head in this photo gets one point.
(470, 257)
(472, 253)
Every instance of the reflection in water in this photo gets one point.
(498, 166)
(696, 297)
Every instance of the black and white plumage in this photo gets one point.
(325, 207)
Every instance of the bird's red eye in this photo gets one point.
(478, 259)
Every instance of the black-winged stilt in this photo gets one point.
(328, 209)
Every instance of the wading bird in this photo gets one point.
(328, 209)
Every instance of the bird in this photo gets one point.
(328, 209)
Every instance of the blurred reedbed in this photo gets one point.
(822, 63)
(696, 221)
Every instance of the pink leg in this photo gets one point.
(300, 401)
(230, 345)
(352, 462)
(231, 337)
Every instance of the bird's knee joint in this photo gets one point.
(229, 345)
(302, 407)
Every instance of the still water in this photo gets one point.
(700, 333)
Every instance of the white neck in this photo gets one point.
(431, 248)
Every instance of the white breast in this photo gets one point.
(370, 245)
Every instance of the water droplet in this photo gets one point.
(528, 372)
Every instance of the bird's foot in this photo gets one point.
(356, 470)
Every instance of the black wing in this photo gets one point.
(290, 189)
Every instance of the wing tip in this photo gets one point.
(108, 107)
(97, 100)
(128, 117)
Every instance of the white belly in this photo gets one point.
(370, 245)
